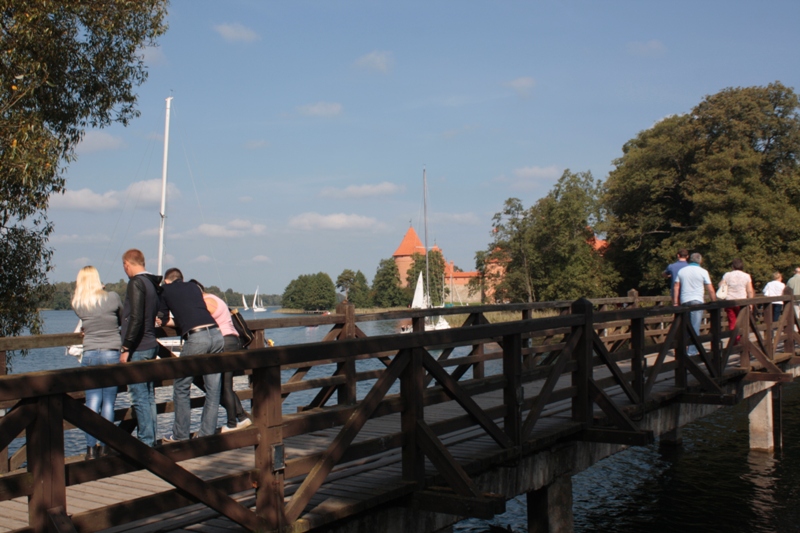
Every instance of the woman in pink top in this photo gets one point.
(237, 418)
(740, 286)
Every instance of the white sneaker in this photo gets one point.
(239, 425)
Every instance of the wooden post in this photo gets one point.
(769, 336)
(268, 418)
(512, 393)
(680, 348)
(638, 362)
(412, 388)
(347, 391)
(582, 402)
(4, 451)
(633, 294)
(45, 438)
(715, 322)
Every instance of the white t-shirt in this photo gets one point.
(774, 288)
(737, 284)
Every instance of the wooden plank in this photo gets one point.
(485, 506)
(444, 462)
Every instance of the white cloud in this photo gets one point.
(98, 141)
(337, 221)
(142, 194)
(528, 178)
(361, 191)
(321, 109)
(262, 259)
(650, 48)
(202, 259)
(233, 229)
(376, 60)
(235, 32)
(523, 86)
(153, 55)
(256, 144)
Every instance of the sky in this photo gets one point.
(299, 131)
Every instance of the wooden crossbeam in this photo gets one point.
(159, 464)
(701, 351)
(59, 521)
(444, 461)
(705, 381)
(484, 506)
(15, 422)
(349, 431)
(454, 391)
(550, 384)
(777, 377)
(655, 370)
(617, 416)
(619, 378)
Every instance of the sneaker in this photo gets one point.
(239, 425)
(168, 439)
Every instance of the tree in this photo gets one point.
(359, 294)
(345, 281)
(310, 292)
(722, 180)
(386, 290)
(435, 269)
(65, 66)
(550, 250)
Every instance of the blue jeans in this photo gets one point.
(696, 319)
(198, 343)
(143, 398)
(100, 400)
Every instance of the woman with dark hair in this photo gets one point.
(740, 286)
(237, 418)
(100, 313)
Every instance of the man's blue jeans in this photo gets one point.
(100, 400)
(198, 343)
(143, 398)
(695, 319)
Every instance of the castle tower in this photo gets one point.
(403, 255)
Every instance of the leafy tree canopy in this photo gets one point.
(310, 292)
(359, 294)
(549, 249)
(435, 268)
(65, 67)
(722, 180)
(386, 290)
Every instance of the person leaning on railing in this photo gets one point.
(237, 418)
(100, 312)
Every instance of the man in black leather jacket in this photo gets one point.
(139, 338)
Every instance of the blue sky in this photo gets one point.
(300, 129)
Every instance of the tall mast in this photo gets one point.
(425, 218)
(163, 192)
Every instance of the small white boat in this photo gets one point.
(257, 307)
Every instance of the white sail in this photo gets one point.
(244, 303)
(420, 300)
(257, 307)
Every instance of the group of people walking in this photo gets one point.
(116, 331)
(689, 282)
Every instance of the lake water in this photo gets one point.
(713, 482)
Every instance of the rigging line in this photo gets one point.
(200, 207)
(148, 157)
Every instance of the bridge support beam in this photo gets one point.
(761, 422)
(550, 507)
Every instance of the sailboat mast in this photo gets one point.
(425, 218)
(163, 192)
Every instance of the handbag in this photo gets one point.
(246, 335)
(722, 290)
(76, 350)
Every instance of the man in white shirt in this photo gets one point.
(689, 285)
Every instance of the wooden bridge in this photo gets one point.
(450, 423)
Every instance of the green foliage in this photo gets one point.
(436, 286)
(310, 292)
(547, 249)
(722, 180)
(65, 66)
(359, 294)
(386, 290)
(345, 281)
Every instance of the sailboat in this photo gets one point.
(244, 303)
(422, 294)
(258, 307)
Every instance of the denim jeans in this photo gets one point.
(696, 319)
(197, 343)
(143, 398)
(100, 400)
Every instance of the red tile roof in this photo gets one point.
(411, 245)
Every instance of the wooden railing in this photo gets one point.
(604, 358)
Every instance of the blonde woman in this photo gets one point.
(100, 313)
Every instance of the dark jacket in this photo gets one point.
(139, 313)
